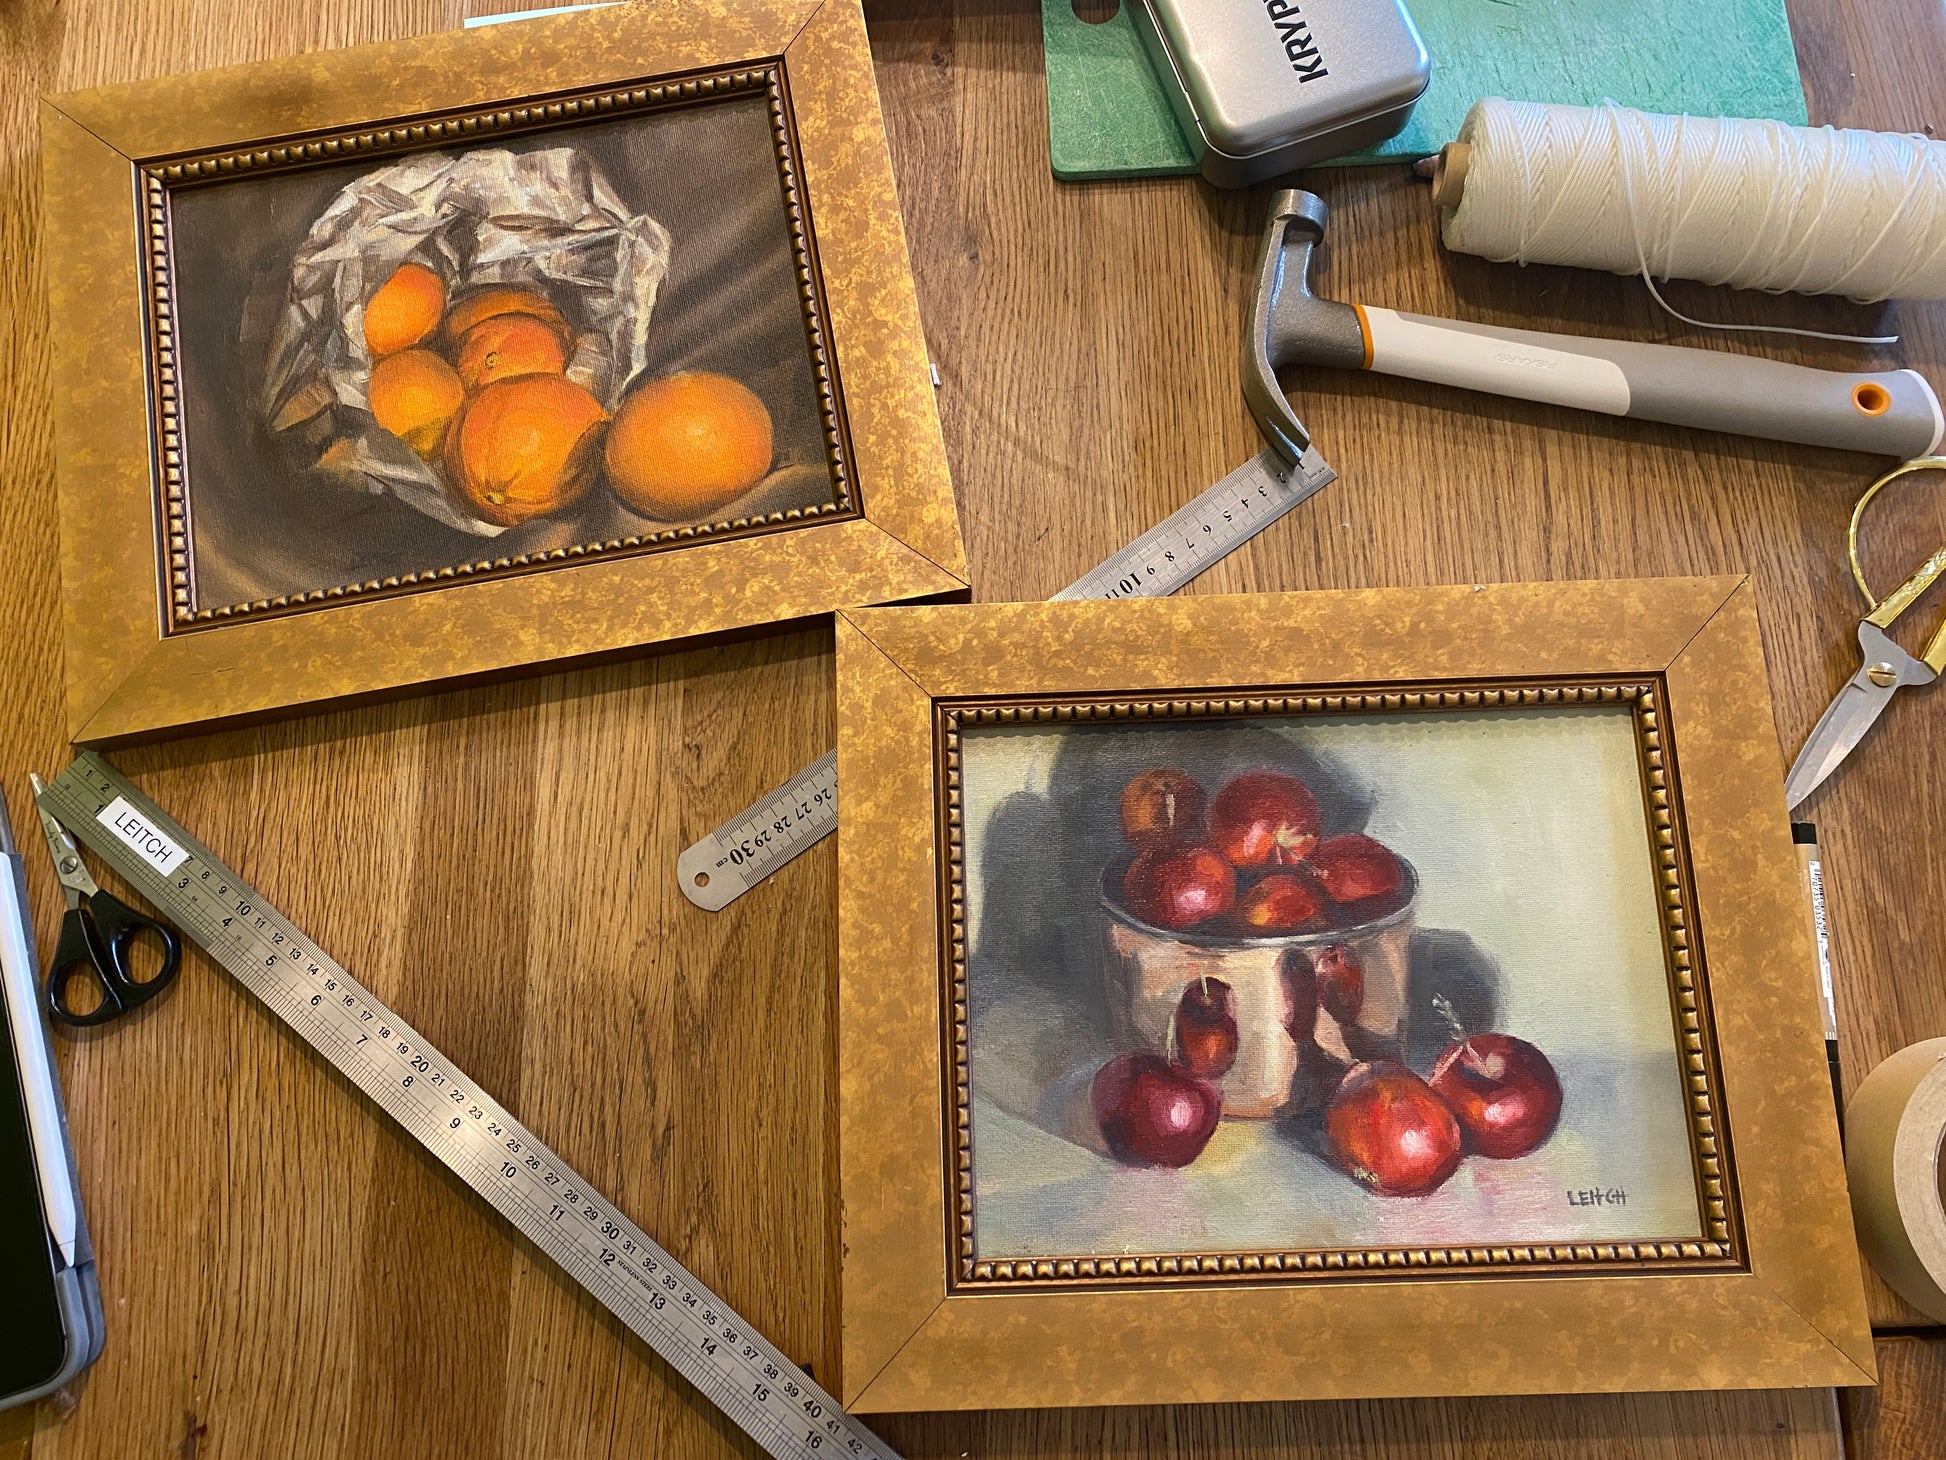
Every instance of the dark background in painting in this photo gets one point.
(263, 524)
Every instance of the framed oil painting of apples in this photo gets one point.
(1328, 995)
(474, 352)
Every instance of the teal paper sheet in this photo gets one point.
(1107, 115)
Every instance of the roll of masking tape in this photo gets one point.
(1894, 1128)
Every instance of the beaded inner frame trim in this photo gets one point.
(1722, 1248)
(159, 178)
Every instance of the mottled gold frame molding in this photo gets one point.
(110, 156)
(1780, 1304)
(1682, 957)
(161, 179)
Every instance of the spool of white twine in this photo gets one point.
(1753, 204)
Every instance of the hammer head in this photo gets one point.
(1289, 325)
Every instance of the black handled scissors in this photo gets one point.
(97, 936)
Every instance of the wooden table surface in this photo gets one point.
(286, 1274)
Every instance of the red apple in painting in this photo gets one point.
(1341, 983)
(1206, 1029)
(1353, 867)
(1152, 1114)
(1300, 995)
(1283, 902)
(1390, 1131)
(1264, 818)
(1178, 887)
(1503, 1091)
(1160, 807)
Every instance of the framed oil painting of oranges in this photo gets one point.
(478, 352)
(1328, 995)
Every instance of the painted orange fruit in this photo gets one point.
(524, 447)
(404, 309)
(414, 394)
(498, 299)
(508, 345)
(687, 444)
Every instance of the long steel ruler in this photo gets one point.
(751, 846)
(659, 1300)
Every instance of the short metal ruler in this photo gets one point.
(660, 1301)
(751, 846)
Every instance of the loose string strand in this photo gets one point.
(1674, 193)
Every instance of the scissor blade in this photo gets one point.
(1842, 725)
(60, 845)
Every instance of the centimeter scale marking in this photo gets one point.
(733, 1366)
(753, 845)
(1199, 536)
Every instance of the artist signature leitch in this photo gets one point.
(1613, 1196)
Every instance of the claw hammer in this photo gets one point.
(1889, 412)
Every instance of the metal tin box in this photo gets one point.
(1262, 87)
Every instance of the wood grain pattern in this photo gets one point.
(286, 1275)
(1904, 1419)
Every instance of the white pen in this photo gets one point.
(20, 985)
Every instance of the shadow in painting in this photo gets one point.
(1036, 1048)
(1449, 964)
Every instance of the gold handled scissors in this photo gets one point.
(1886, 668)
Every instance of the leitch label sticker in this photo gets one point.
(147, 843)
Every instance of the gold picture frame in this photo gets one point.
(1765, 1293)
(152, 649)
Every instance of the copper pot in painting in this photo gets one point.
(1357, 970)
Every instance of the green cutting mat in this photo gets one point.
(1107, 116)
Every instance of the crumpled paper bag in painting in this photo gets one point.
(547, 219)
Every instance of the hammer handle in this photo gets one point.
(1891, 412)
